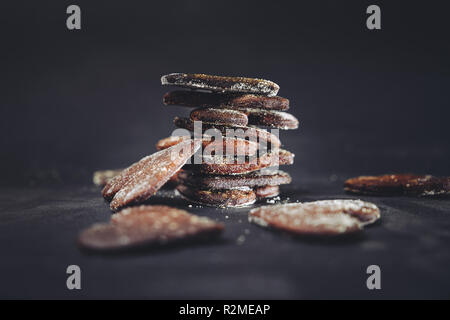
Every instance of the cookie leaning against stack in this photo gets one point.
(224, 104)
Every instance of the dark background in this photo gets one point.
(369, 102)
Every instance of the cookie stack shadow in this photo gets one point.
(242, 167)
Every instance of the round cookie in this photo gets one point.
(197, 99)
(239, 147)
(102, 177)
(170, 142)
(253, 179)
(268, 191)
(218, 198)
(224, 117)
(221, 83)
(273, 119)
(285, 157)
(399, 184)
(147, 225)
(251, 132)
(326, 217)
(230, 166)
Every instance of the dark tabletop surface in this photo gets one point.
(78, 101)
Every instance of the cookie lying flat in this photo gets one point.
(237, 146)
(231, 166)
(268, 191)
(399, 184)
(147, 225)
(224, 117)
(254, 134)
(220, 83)
(218, 198)
(141, 180)
(197, 99)
(102, 177)
(327, 217)
(273, 119)
(234, 181)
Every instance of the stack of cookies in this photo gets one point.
(246, 113)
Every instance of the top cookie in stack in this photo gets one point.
(231, 105)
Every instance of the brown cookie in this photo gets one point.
(328, 217)
(140, 181)
(102, 177)
(147, 225)
(273, 119)
(197, 99)
(224, 117)
(239, 147)
(399, 184)
(253, 134)
(167, 143)
(173, 181)
(221, 84)
(253, 179)
(116, 183)
(268, 191)
(170, 142)
(218, 198)
(285, 157)
(230, 166)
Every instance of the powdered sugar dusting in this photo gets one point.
(221, 83)
(321, 217)
(147, 225)
(153, 171)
